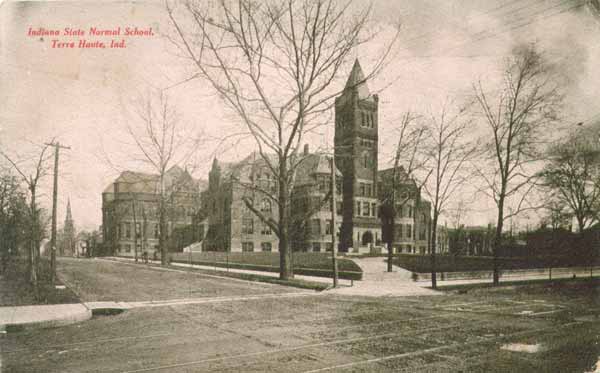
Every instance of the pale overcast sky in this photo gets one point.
(77, 95)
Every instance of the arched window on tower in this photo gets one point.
(265, 205)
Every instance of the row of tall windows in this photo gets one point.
(364, 208)
(248, 227)
(125, 230)
(264, 246)
(367, 143)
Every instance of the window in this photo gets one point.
(138, 248)
(364, 119)
(156, 230)
(316, 247)
(399, 211)
(357, 208)
(315, 226)
(265, 206)
(373, 209)
(138, 230)
(408, 230)
(323, 184)
(127, 230)
(410, 212)
(247, 226)
(362, 189)
(248, 246)
(266, 246)
(127, 248)
(328, 229)
(265, 229)
(366, 209)
(399, 229)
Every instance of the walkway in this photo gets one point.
(378, 282)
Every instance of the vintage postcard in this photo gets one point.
(300, 186)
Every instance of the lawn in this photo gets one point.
(16, 290)
(312, 264)
(453, 333)
(103, 280)
(452, 263)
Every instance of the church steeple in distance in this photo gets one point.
(69, 215)
(68, 245)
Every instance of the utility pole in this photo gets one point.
(333, 227)
(57, 147)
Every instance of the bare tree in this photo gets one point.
(402, 186)
(516, 120)
(161, 143)
(572, 174)
(449, 150)
(32, 170)
(13, 212)
(274, 64)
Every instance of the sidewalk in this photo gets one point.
(43, 315)
(560, 273)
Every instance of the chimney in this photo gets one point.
(305, 149)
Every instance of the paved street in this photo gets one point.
(312, 332)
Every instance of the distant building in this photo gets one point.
(67, 241)
(475, 240)
(130, 211)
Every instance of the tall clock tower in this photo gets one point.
(356, 128)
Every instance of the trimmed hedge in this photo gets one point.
(452, 263)
(310, 264)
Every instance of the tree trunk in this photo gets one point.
(498, 240)
(286, 270)
(33, 262)
(433, 246)
(162, 222)
(390, 243)
(162, 232)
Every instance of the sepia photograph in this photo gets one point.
(300, 186)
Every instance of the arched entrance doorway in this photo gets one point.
(367, 238)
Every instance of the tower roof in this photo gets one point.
(357, 81)
(69, 216)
